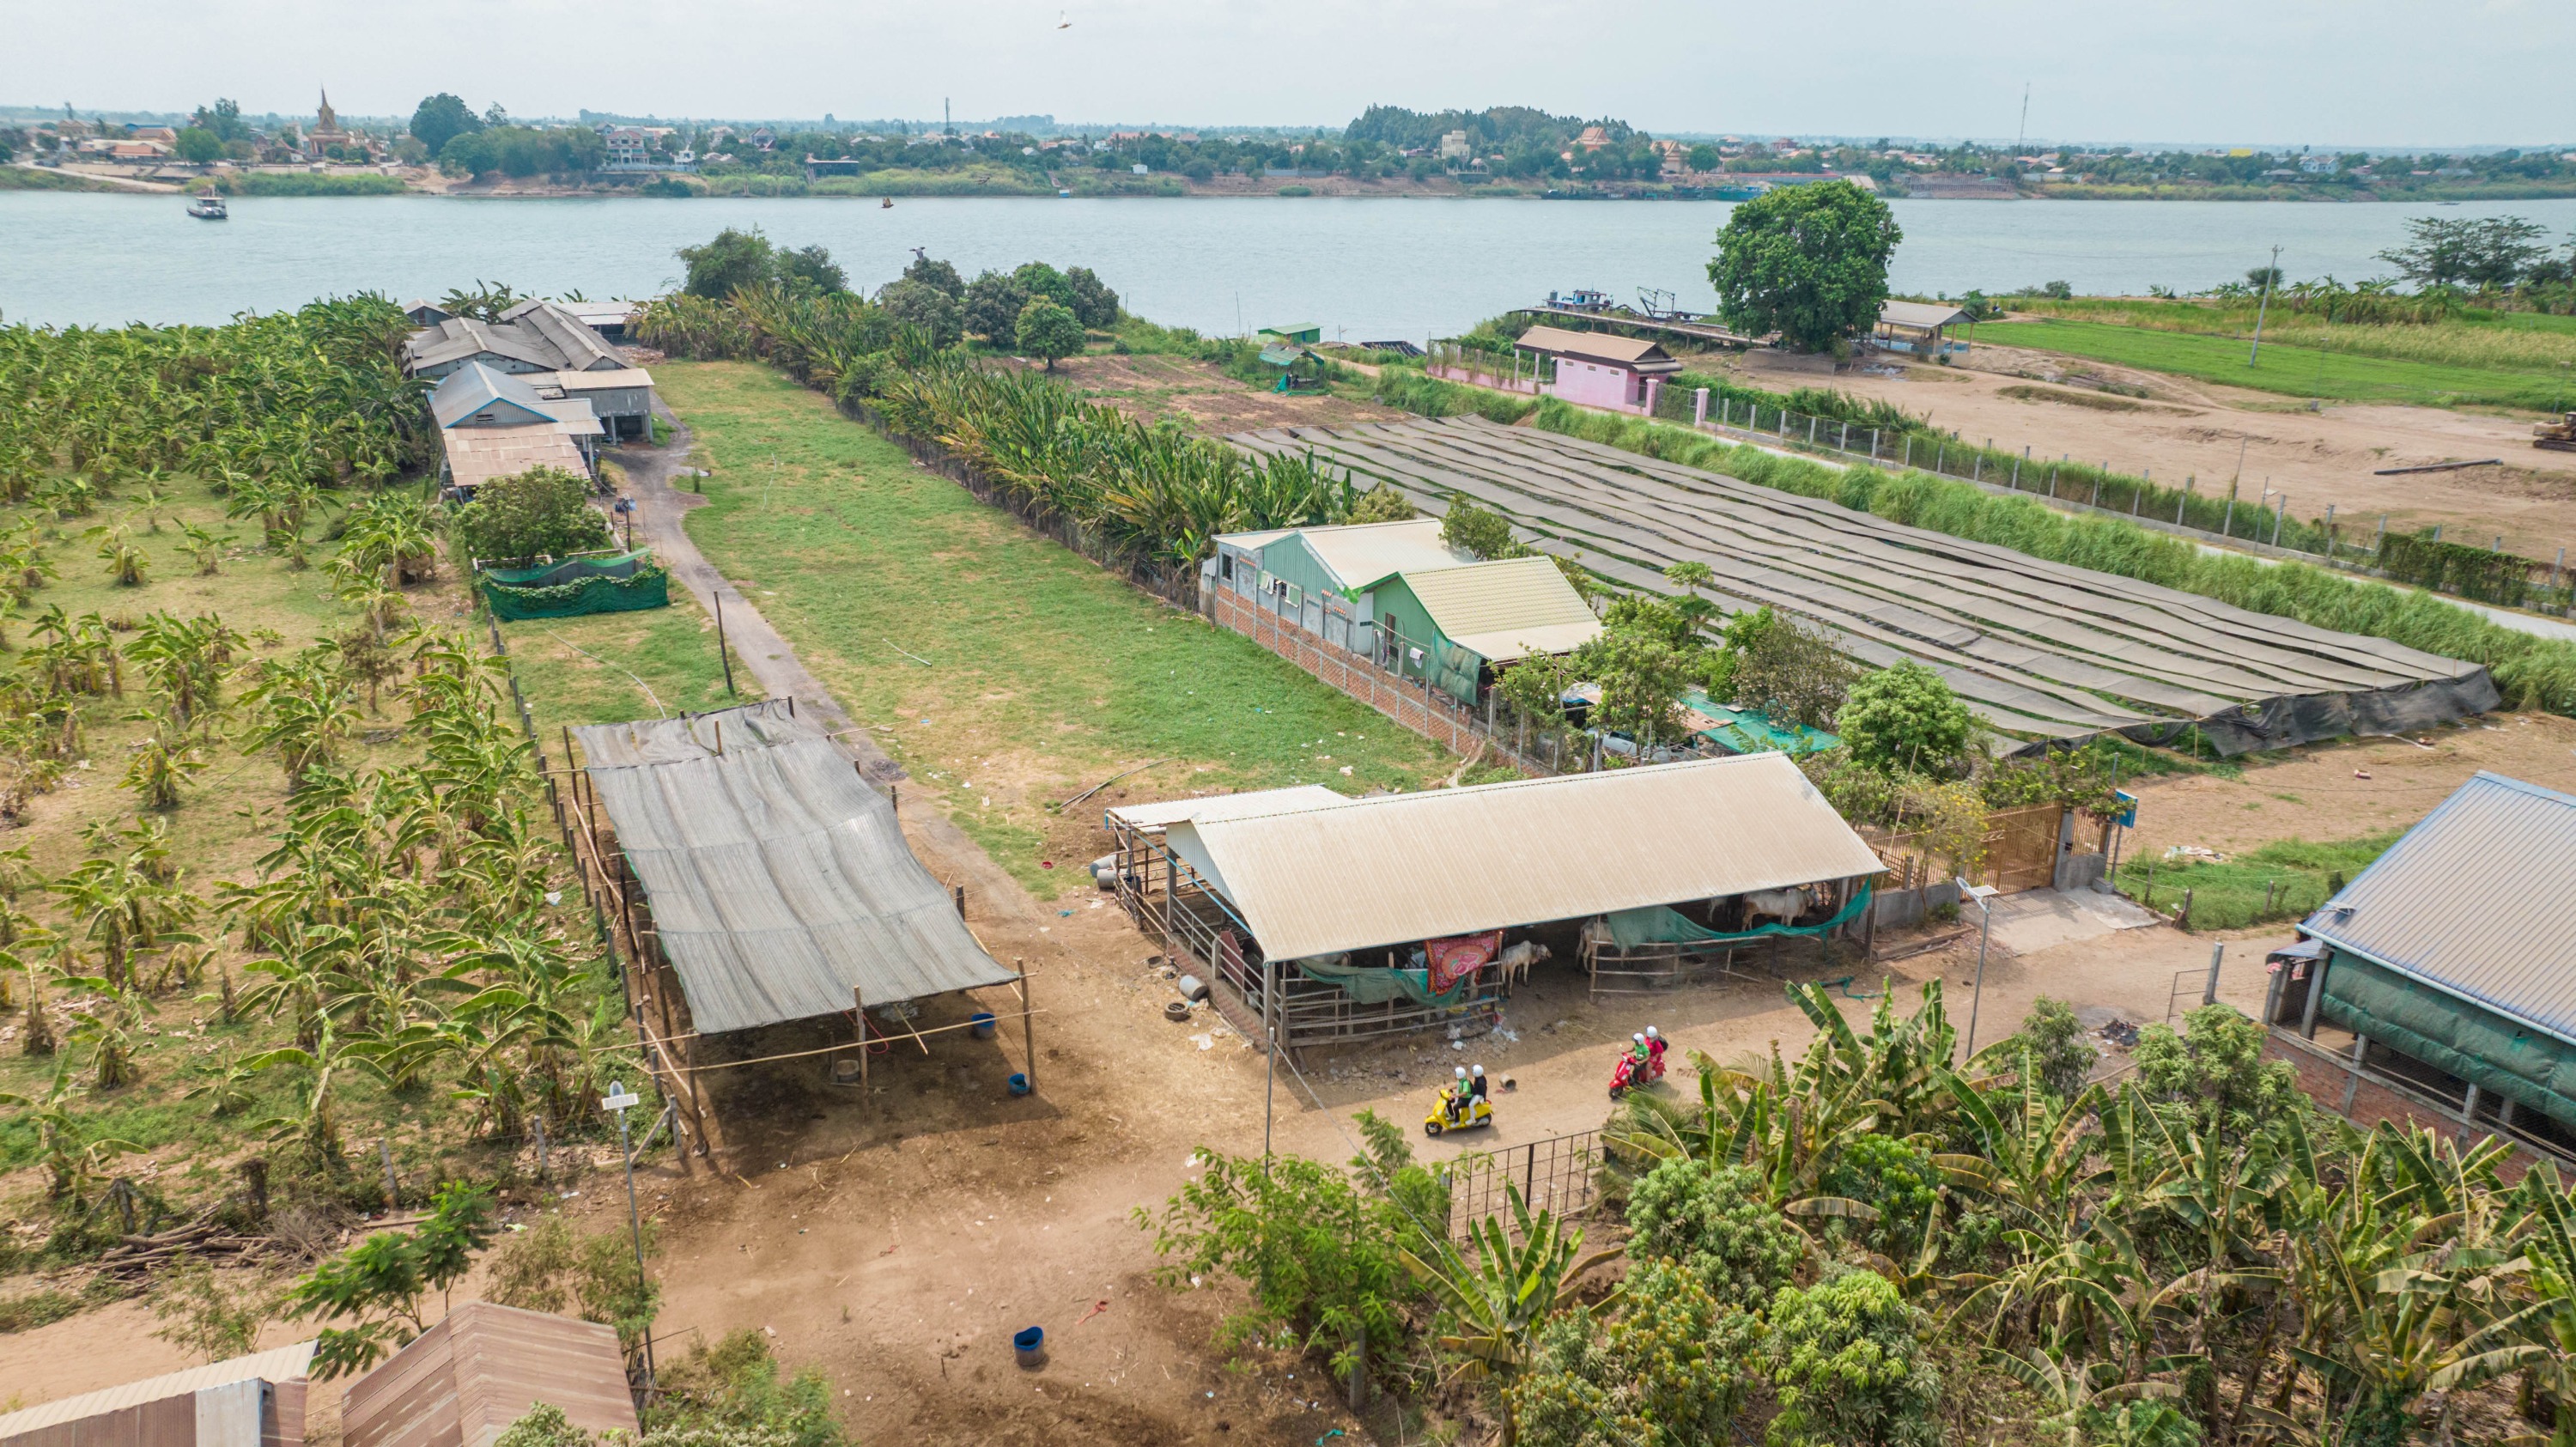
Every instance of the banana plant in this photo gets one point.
(1492, 1305)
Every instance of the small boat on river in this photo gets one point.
(209, 207)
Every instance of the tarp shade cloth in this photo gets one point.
(1658, 925)
(1376, 984)
(577, 586)
(778, 879)
(2499, 1056)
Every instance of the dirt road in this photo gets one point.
(2185, 429)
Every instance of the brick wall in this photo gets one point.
(2325, 1075)
(1433, 715)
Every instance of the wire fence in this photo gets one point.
(2264, 521)
(1560, 1174)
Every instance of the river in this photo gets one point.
(1362, 269)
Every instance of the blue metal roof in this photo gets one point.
(2477, 901)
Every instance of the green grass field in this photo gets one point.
(2292, 876)
(2286, 367)
(610, 667)
(1003, 670)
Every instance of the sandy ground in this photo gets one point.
(1198, 396)
(2316, 792)
(2185, 429)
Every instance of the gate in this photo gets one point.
(1559, 1174)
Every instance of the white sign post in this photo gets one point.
(619, 1101)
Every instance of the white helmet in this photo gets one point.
(1480, 1070)
(1640, 1039)
(1651, 1035)
(1462, 1072)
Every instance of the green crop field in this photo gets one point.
(1004, 671)
(2298, 371)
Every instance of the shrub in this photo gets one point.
(1845, 1360)
(1486, 535)
(994, 301)
(1382, 504)
(1093, 301)
(1894, 1178)
(1717, 1222)
(918, 303)
(1667, 1371)
(542, 510)
(2059, 1052)
(1904, 719)
(2215, 1069)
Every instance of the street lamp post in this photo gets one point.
(1980, 893)
(618, 1101)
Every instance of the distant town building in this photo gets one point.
(1453, 146)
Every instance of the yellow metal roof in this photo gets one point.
(1154, 816)
(1320, 879)
(1506, 609)
(279, 1364)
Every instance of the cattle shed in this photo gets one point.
(1339, 919)
(2044, 653)
(776, 885)
(252, 1401)
(2451, 960)
(482, 1367)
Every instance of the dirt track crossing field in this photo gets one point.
(2038, 649)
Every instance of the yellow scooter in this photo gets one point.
(1471, 1111)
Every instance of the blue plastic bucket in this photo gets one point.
(982, 1021)
(1029, 1344)
(1019, 1086)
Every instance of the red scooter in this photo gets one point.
(1629, 1076)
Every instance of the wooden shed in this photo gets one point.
(464, 1381)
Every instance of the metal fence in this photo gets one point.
(1560, 1174)
(2262, 523)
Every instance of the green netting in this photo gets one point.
(2499, 1056)
(1655, 924)
(1376, 984)
(576, 586)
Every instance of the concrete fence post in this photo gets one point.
(1699, 408)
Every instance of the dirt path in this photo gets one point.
(2184, 428)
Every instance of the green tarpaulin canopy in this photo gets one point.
(1655, 924)
(576, 586)
(1376, 984)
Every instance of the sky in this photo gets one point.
(2322, 73)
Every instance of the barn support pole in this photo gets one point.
(2272, 998)
(1028, 1025)
(2209, 991)
(2352, 1081)
(859, 1017)
(2468, 1123)
(2316, 996)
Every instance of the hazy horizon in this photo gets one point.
(2345, 75)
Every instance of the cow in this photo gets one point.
(1784, 905)
(1517, 960)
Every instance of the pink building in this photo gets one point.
(1595, 369)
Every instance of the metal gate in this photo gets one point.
(1560, 1174)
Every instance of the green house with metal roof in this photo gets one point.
(1303, 334)
(2451, 960)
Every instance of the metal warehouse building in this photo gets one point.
(2452, 961)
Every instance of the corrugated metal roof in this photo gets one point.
(2478, 901)
(480, 1368)
(473, 387)
(612, 378)
(1921, 314)
(476, 455)
(279, 1364)
(1225, 806)
(778, 880)
(1361, 554)
(1594, 346)
(461, 337)
(1253, 542)
(1505, 609)
(1399, 867)
(581, 348)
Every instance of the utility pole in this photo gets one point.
(2021, 136)
(618, 1101)
(2269, 272)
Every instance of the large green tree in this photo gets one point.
(440, 119)
(1808, 262)
(733, 260)
(1049, 330)
(1905, 719)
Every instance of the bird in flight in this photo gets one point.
(1061, 22)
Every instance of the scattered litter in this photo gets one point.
(1046, 864)
(1067, 914)
(2361, 773)
(2120, 1033)
(1097, 1308)
(1346, 771)
(1512, 1036)
(1194, 1162)
(1204, 1042)
(2194, 851)
(1457, 1044)
(769, 1331)
(554, 896)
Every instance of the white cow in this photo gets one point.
(1517, 960)
(1784, 905)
